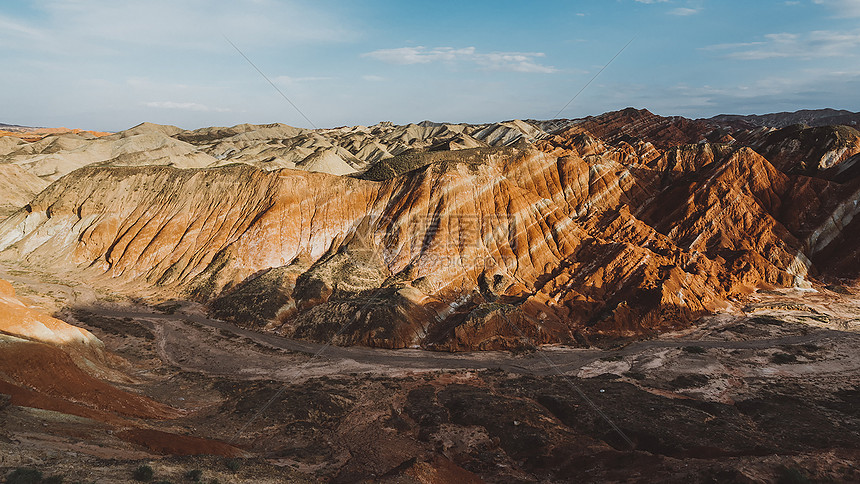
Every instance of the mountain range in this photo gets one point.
(621, 296)
(449, 236)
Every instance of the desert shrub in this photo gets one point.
(234, 464)
(24, 475)
(55, 479)
(696, 350)
(194, 475)
(782, 358)
(792, 475)
(143, 473)
(689, 381)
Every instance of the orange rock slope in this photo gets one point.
(573, 238)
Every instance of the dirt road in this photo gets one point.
(332, 360)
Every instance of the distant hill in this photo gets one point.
(15, 127)
(810, 117)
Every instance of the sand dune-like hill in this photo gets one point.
(53, 157)
(10, 143)
(18, 187)
(337, 151)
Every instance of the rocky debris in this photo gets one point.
(502, 427)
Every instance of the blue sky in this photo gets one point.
(106, 64)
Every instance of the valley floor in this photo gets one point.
(765, 393)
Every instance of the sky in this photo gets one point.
(109, 64)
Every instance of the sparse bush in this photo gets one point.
(783, 358)
(811, 348)
(56, 479)
(792, 475)
(234, 464)
(689, 381)
(24, 475)
(194, 475)
(696, 350)
(143, 473)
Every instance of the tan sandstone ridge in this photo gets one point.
(337, 151)
(446, 236)
(35, 134)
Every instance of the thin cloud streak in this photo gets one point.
(189, 106)
(844, 8)
(501, 61)
(806, 46)
(684, 11)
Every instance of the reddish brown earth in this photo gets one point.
(756, 397)
(48, 364)
(173, 444)
(42, 376)
(640, 124)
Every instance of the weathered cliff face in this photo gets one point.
(827, 152)
(572, 238)
(811, 117)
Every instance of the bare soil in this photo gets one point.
(759, 395)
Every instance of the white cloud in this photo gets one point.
(197, 25)
(184, 106)
(294, 80)
(684, 11)
(845, 8)
(807, 46)
(502, 61)
(16, 28)
(419, 55)
(728, 46)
